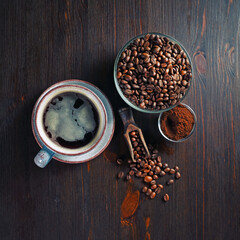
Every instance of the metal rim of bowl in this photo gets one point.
(182, 139)
(120, 90)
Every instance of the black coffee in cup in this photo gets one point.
(71, 120)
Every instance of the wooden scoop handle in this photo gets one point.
(126, 116)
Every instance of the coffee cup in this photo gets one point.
(65, 139)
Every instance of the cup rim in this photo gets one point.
(182, 139)
(36, 108)
(128, 102)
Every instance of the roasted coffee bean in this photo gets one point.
(147, 179)
(158, 190)
(149, 191)
(178, 175)
(160, 165)
(162, 173)
(154, 186)
(138, 174)
(154, 156)
(155, 177)
(131, 173)
(165, 165)
(135, 144)
(128, 92)
(151, 163)
(144, 189)
(133, 134)
(128, 177)
(129, 161)
(176, 168)
(170, 181)
(134, 169)
(121, 174)
(153, 60)
(167, 170)
(142, 163)
(166, 197)
(153, 182)
(119, 161)
(147, 168)
(157, 170)
(153, 195)
(119, 74)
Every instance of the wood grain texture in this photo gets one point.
(43, 42)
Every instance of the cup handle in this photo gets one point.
(43, 157)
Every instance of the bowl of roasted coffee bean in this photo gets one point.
(153, 73)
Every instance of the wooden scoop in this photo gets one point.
(129, 126)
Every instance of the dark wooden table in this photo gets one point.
(43, 42)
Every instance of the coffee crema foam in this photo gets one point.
(71, 120)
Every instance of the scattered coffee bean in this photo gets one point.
(162, 173)
(138, 174)
(153, 195)
(149, 191)
(144, 175)
(147, 179)
(166, 170)
(154, 156)
(128, 177)
(178, 175)
(131, 173)
(157, 170)
(119, 161)
(165, 165)
(160, 165)
(144, 189)
(153, 186)
(129, 160)
(121, 174)
(155, 177)
(158, 190)
(166, 197)
(169, 182)
(148, 168)
(133, 165)
(151, 66)
(153, 182)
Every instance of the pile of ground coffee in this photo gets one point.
(177, 123)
